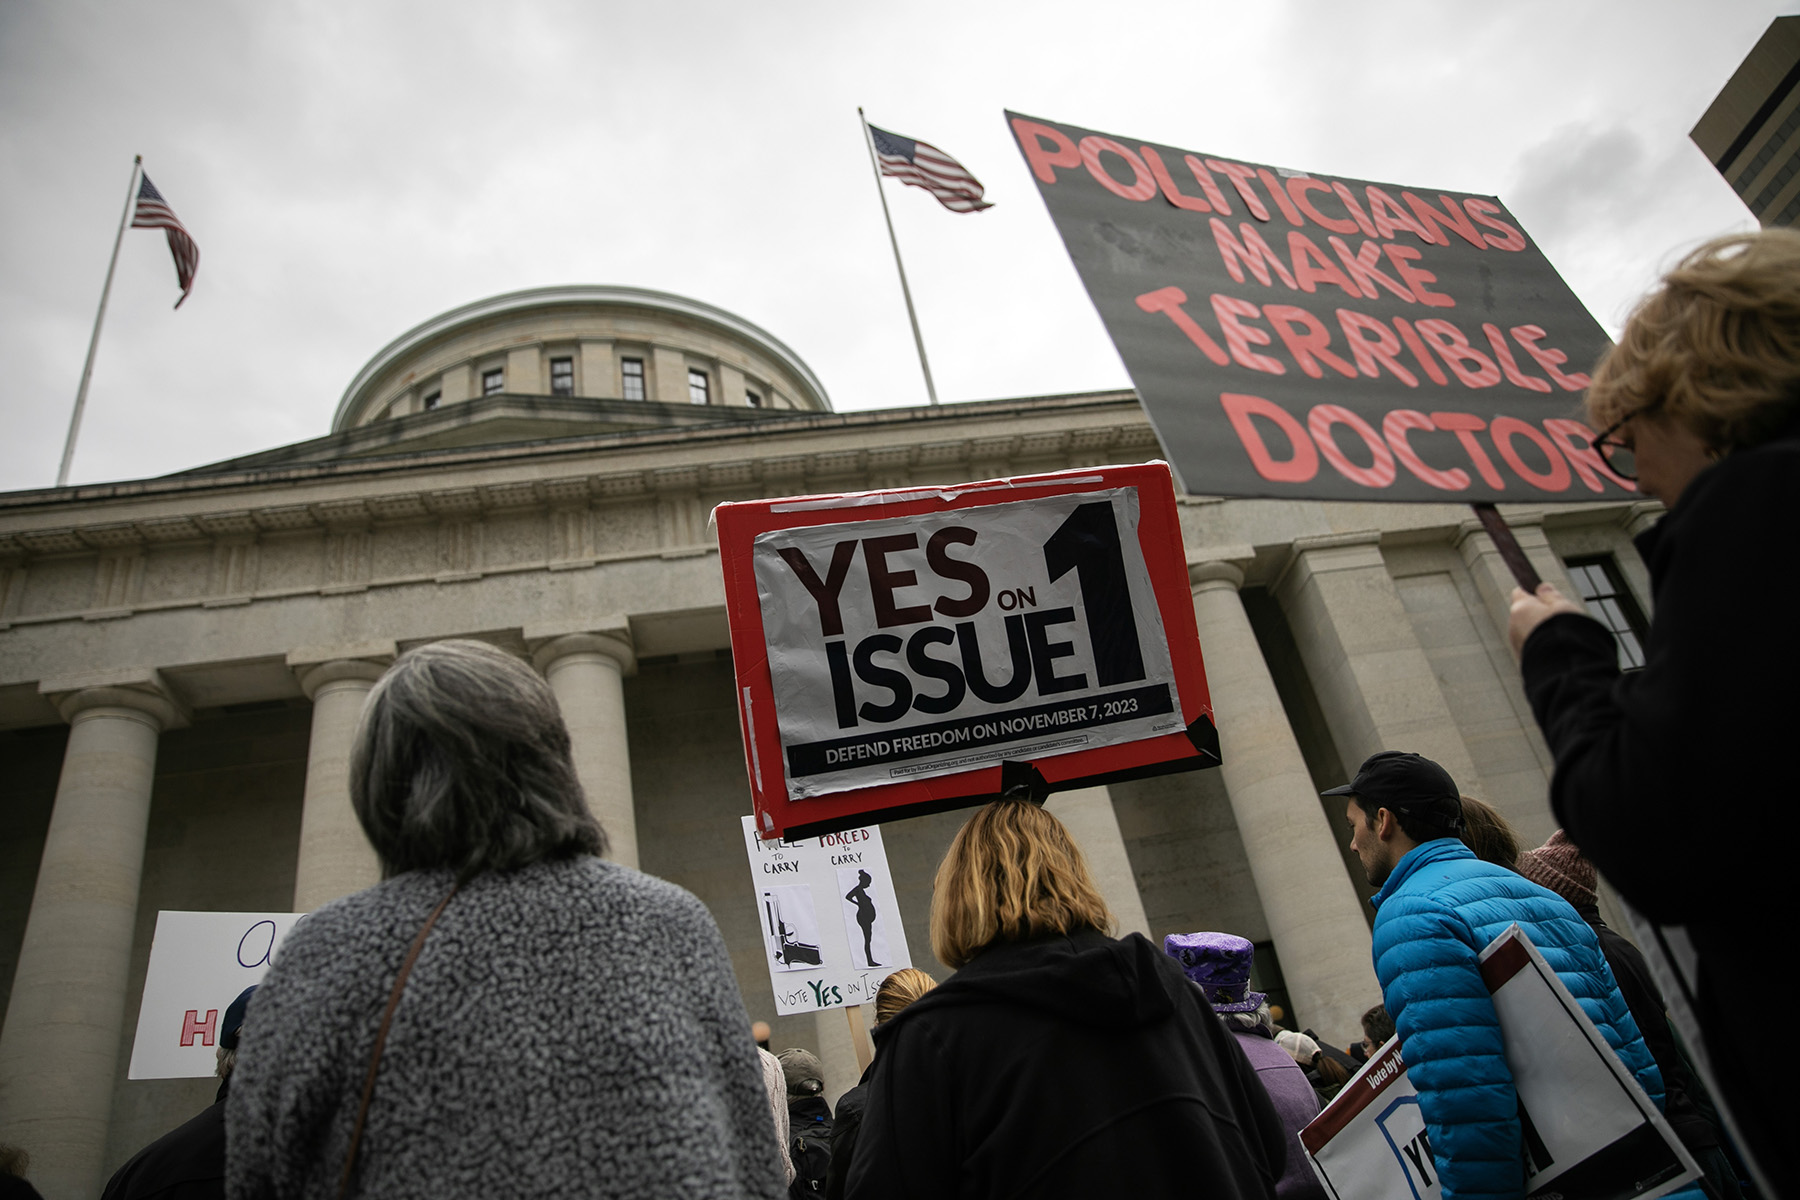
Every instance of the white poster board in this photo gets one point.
(931, 644)
(830, 924)
(199, 962)
(1589, 1130)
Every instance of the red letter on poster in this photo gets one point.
(1576, 441)
(1378, 473)
(1394, 427)
(1171, 193)
(1298, 469)
(1505, 429)
(1169, 300)
(1062, 152)
(1143, 184)
(193, 1027)
(1465, 426)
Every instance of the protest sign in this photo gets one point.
(914, 650)
(1320, 337)
(830, 924)
(199, 962)
(1587, 1128)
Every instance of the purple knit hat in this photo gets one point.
(1220, 964)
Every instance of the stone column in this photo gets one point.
(1373, 678)
(335, 856)
(1088, 814)
(587, 672)
(1314, 915)
(59, 1050)
(1494, 579)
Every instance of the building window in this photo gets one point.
(431, 400)
(753, 399)
(1598, 582)
(562, 377)
(697, 386)
(632, 370)
(492, 381)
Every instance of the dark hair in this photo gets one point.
(1487, 833)
(1419, 824)
(1378, 1027)
(462, 761)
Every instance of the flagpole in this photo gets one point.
(87, 369)
(918, 340)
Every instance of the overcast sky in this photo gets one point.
(350, 170)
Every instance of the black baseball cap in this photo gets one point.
(1405, 782)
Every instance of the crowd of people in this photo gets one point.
(510, 1014)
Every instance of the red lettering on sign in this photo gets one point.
(1576, 441)
(1529, 336)
(1378, 473)
(1279, 195)
(1299, 467)
(1437, 220)
(1483, 212)
(1306, 254)
(1473, 368)
(1061, 152)
(1371, 355)
(1403, 257)
(1240, 337)
(1169, 300)
(1252, 252)
(1171, 193)
(1297, 188)
(1214, 195)
(1504, 356)
(1307, 347)
(1240, 177)
(1356, 213)
(1143, 184)
(1361, 266)
(1389, 217)
(1505, 429)
(1394, 427)
(1420, 354)
(193, 1027)
(1465, 426)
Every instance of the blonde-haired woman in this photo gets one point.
(1700, 400)
(1057, 1061)
(895, 993)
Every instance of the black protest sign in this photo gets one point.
(1305, 336)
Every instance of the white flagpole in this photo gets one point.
(87, 369)
(924, 364)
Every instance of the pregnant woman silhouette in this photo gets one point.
(865, 913)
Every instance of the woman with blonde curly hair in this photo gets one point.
(1700, 401)
(1057, 1061)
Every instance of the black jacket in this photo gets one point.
(843, 1135)
(1071, 1066)
(1676, 780)
(187, 1163)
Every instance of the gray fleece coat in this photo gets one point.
(571, 1029)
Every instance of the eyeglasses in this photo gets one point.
(1620, 459)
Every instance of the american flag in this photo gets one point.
(923, 165)
(153, 212)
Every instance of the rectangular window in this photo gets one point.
(632, 372)
(431, 400)
(753, 399)
(562, 377)
(1598, 582)
(492, 381)
(697, 386)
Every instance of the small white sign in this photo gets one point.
(815, 959)
(199, 962)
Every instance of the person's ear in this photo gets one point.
(1386, 824)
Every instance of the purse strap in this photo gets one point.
(387, 1018)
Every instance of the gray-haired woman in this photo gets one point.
(569, 1026)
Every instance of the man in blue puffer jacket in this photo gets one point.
(1438, 907)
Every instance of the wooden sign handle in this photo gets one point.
(859, 1037)
(1511, 553)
